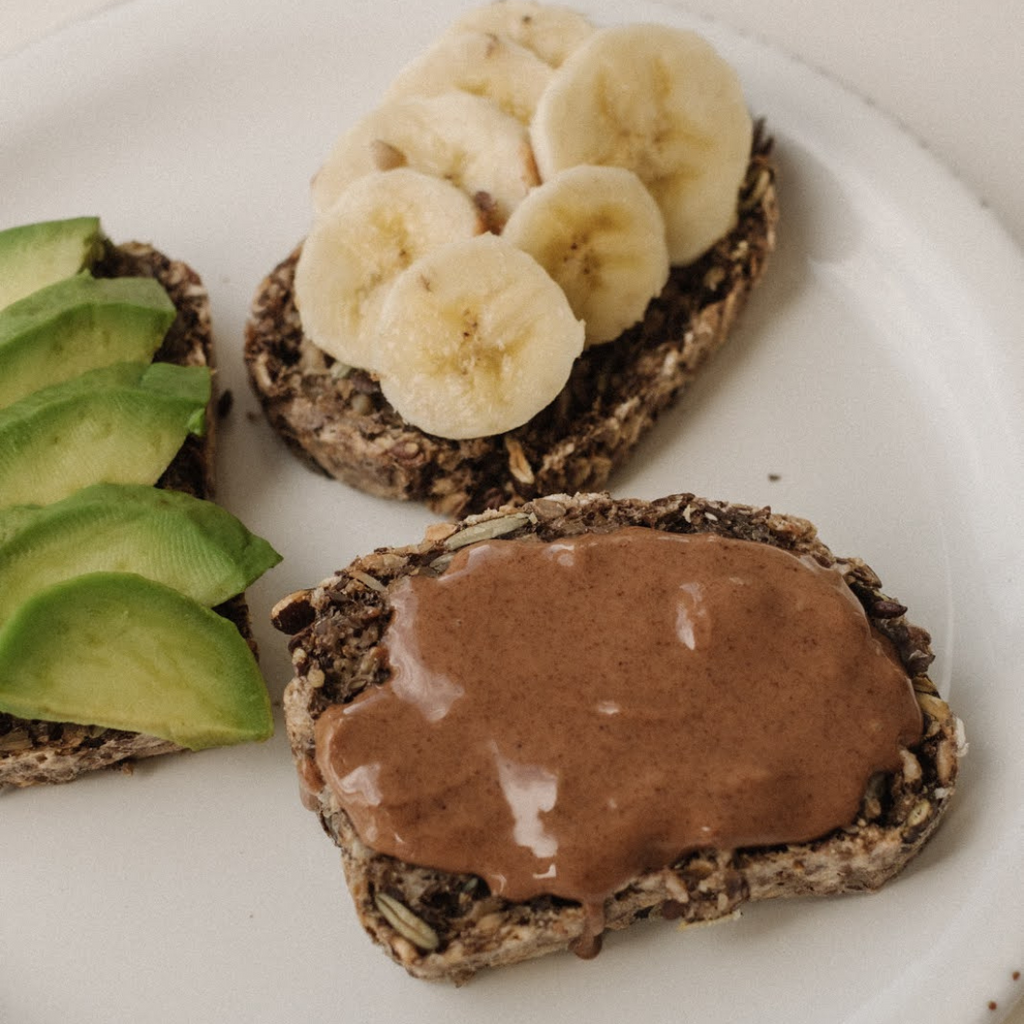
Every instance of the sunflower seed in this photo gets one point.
(406, 923)
(488, 529)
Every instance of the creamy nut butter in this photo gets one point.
(562, 716)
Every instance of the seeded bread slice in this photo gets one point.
(32, 751)
(336, 420)
(444, 926)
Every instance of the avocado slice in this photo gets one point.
(194, 546)
(14, 519)
(119, 424)
(35, 255)
(78, 324)
(122, 652)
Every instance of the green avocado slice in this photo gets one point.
(196, 547)
(119, 651)
(33, 256)
(118, 424)
(78, 324)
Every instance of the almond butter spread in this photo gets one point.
(563, 716)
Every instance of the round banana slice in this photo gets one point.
(663, 103)
(480, 63)
(549, 30)
(466, 139)
(475, 339)
(599, 233)
(379, 225)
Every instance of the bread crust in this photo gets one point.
(444, 926)
(34, 751)
(336, 420)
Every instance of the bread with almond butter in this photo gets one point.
(444, 924)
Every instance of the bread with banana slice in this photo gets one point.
(420, 362)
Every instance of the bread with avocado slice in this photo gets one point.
(441, 925)
(337, 421)
(35, 751)
(33, 256)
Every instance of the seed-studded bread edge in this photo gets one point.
(336, 420)
(33, 752)
(442, 926)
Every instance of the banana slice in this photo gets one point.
(475, 339)
(466, 139)
(661, 102)
(599, 233)
(378, 227)
(481, 63)
(550, 31)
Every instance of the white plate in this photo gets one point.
(878, 375)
